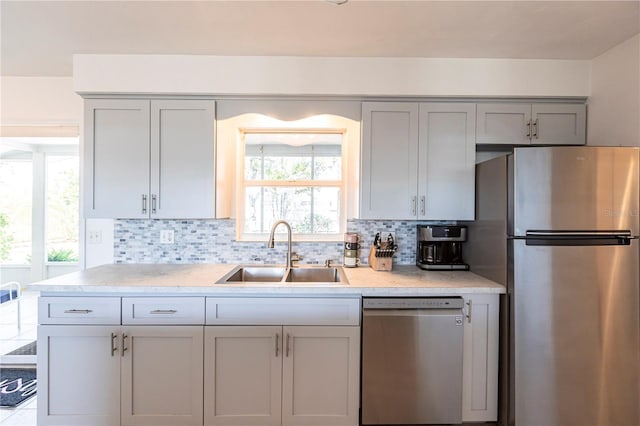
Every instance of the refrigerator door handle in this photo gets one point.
(578, 238)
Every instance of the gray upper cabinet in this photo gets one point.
(116, 158)
(389, 166)
(418, 161)
(446, 184)
(149, 159)
(182, 159)
(531, 124)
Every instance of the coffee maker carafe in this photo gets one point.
(440, 247)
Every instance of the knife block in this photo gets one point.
(378, 263)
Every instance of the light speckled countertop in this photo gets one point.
(199, 279)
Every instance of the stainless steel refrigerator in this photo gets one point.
(559, 227)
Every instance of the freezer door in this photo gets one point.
(574, 188)
(575, 334)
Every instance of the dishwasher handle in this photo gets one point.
(410, 312)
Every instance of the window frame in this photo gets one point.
(242, 183)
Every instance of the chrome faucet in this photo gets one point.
(272, 235)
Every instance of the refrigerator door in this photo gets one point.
(575, 333)
(574, 188)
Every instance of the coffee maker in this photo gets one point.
(440, 247)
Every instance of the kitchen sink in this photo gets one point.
(279, 274)
(315, 275)
(243, 274)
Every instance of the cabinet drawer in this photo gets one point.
(79, 310)
(163, 310)
(282, 311)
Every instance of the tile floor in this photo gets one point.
(10, 339)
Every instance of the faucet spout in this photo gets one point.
(270, 243)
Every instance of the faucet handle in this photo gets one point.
(295, 257)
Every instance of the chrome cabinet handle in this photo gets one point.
(144, 203)
(154, 199)
(78, 311)
(114, 348)
(413, 206)
(423, 205)
(535, 129)
(124, 346)
(277, 344)
(529, 129)
(163, 311)
(469, 307)
(287, 346)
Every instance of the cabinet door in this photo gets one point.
(321, 376)
(446, 188)
(116, 158)
(559, 124)
(480, 359)
(162, 375)
(243, 375)
(78, 375)
(182, 159)
(389, 163)
(508, 124)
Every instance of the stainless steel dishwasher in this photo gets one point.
(412, 361)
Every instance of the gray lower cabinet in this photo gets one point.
(94, 375)
(531, 124)
(417, 161)
(149, 158)
(281, 375)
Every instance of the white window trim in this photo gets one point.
(241, 184)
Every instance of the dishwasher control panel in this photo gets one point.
(412, 303)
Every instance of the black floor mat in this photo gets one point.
(28, 349)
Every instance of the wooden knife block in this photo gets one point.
(379, 263)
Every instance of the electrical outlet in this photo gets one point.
(95, 237)
(166, 236)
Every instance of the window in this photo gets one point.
(39, 192)
(15, 208)
(62, 208)
(296, 175)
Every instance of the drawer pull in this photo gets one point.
(124, 344)
(114, 348)
(164, 311)
(287, 346)
(78, 311)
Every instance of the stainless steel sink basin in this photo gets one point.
(316, 275)
(254, 273)
(279, 274)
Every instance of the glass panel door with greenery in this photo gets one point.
(295, 176)
(62, 208)
(16, 171)
(39, 206)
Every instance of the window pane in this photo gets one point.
(326, 210)
(253, 223)
(62, 209)
(327, 168)
(287, 168)
(308, 210)
(15, 211)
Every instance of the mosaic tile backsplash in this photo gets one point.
(213, 241)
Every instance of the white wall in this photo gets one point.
(614, 103)
(37, 101)
(231, 75)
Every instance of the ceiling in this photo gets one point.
(38, 38)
